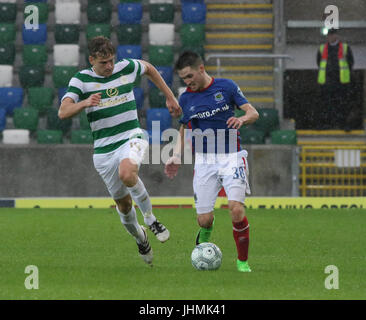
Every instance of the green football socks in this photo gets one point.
(204, 234)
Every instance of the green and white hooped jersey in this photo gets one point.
(115, 119)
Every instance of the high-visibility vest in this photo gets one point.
(344, 71)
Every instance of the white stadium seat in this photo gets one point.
(6, 78)
(161, 1)
(161, 34)
(16, 136)
(67, 12)
(66, 54)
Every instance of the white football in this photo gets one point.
(206, 256)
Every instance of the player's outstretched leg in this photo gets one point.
(141, 197)
(204, 234)
(240, 234)
(131, 225)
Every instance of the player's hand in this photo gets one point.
(173, 107)
(234, 123)
(93, 100)
(172, 166)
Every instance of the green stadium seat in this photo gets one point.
(81, 136)
(62, 75)
(161, 55)
(7, 53)
(31, 76)
(42, 11)
(67, 33)
(34, 55)
(55, 123)
(25, 118)
(99, 12)
(161, 12)
(7, 32)
(268, 120)
(239, 112)
(284, 137)
(129, 33)
(83, 121)
(8, 12)
(49, 136)
(98, 29)
(192, 34)
(250, 136)
(126, 1)
(156, 98)
(40, 98)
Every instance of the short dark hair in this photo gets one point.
(101, 46)
(188, 59)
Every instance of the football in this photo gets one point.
(206, 256)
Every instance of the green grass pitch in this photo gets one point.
(87, 254)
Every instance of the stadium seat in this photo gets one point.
(268, 120)
(166, 73)
(16, 136)
(67, 33)
(67, 12)
(81, 137)
(26, 118)
(157, 98)
(139, 97)
(127, 1)
(7, 32)
(35, 36)
(49, 136)
(283, 137)
(161, 34)
(66, 54)
(83, 121)
(55, 123)
(161, 12)
(6, 79)
(158, 114)
(60, 94)
(42, 11)
(98, 29)
(7, 53)
(129, 33)
(161, 55)
(34, 0)
(129, 51)
(193, 12)
(99, 12)
(192, 34)
(8, 12)
(34, 54)
(40, 98)
(129, 13)
(11, 98)
(250, 136)
(2, 119)
(31, 76)
(61, 75)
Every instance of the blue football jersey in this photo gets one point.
(207, 111)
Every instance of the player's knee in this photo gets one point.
(237, 211)
(205, 220)
(128, 176)
(124, 205)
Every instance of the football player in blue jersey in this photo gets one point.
(208, 106)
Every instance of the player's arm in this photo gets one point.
(69, 108)
(251, 115)
(154, 75)
(173, 163)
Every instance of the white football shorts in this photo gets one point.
(214, 171)
(107, 164)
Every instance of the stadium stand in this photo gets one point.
(67, 12)
(6, 78)
(7, 53)
(34, 54)
(11, 98)
(133, 51)
(26, 118)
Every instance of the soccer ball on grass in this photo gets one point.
(206, 256)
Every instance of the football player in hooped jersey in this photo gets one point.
(105, 92)
(208, 104)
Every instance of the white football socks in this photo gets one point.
(131, 224)
(141, 197)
